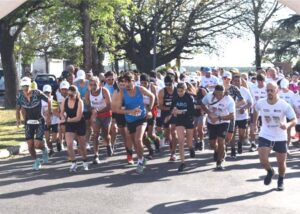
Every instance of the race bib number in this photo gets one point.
(33, 122)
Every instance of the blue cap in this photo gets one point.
(207, 69)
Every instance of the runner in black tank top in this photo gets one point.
(75, 126)
(165, 101)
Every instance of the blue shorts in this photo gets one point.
(277, 146)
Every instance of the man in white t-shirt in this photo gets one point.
(220, 109)
(242, 115)
(209, 81)
(273, 136)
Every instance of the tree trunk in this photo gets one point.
(257, 52)
(86, 35)
(47, 63)
(9, 67)
(116, 66)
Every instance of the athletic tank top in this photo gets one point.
(98, 102)
(168, 98)
(132, 102)
(82, 91)
(71, 112)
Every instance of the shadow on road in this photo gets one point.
(201, 206)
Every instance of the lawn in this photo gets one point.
(10, 135)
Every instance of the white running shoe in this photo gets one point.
(73, 167)
(85, 166)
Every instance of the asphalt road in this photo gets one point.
(114, 187)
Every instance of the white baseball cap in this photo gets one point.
(64, 85)
(284, 83)
(25, 81)
(80, 75)
(227, 74)
(47, 88)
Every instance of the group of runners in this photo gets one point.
(228, 107)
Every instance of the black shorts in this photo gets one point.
(217, 131)
(87, 115)
(133, 125)
(53, 128)
(241, 124)
(159, 122)
(35, 129)
(77, 128)
(231, 126)
(297, 128)
(186, 123)
(120, 120)
(277, 146)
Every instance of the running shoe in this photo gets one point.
(88, 147)
(150, 155)
(181, 167)
(130, 159)
(173, 158)
(233, 153)
(45, 155)
(85, 166)
(139, 168)
(269, 176)
(109, 151)
(192, 153)
(96, 159)
(280, 185)
(219, 166)
(51, 153)
(240, 147)
(253, 147)
(36, 164)
(73, 167)
(201, 146)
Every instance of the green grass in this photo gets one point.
(10, 135)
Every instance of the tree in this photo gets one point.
(97, 25)
(47, 39)
(171, 28)
(10, 27)
(257, 15)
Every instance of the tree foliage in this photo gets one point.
(182, 27)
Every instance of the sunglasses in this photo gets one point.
(270, 90)
(168, 84)
(109, 79)
(225, 78)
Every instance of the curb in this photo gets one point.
(13, 150)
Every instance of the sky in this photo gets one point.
(238, 52)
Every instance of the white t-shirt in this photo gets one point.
(286, 96)
(54, 119)
(296, 105)
(272, 116)
(220, 108)
(258, 93)
(248, 98)
(209, 83)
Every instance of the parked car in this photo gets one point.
(46, 79)
(2, 83)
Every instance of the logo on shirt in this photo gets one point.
(275, 110)
(266, 110)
